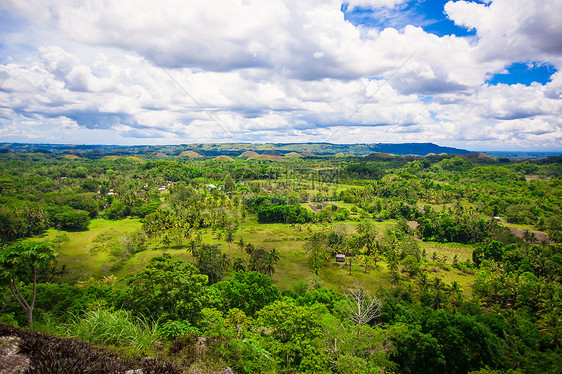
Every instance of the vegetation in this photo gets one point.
(451, 263)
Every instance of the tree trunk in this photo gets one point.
(20, 299)
(32, 305)
(30, 318)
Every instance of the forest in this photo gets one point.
(281, 263)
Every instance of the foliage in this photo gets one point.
(172, 329)
(22, 262)
(71, 219)
(437, 309)
(167, 289)
(248, 292)
(211, 262)
(117, 328)
(284, 214)
(292, 335)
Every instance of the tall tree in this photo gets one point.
(229, 237)
(362, 307)
(212, 262)
(167, 289)
(316, 248)
(21, 263)
(270, 260)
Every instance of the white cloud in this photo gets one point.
(512, 29)
(275, 71)
(67, 68)
(352, 4)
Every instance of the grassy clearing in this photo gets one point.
(289, 240)
(522, 227)
(75, 250)
(449, 250)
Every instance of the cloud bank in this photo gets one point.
(148, 72)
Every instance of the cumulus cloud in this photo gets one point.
(301, 39)
(352, 4)
(281, 70)
(512, 29)
(67, 68)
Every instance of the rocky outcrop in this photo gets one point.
(11, 360)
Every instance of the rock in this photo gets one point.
(228, 370)
(11, 361)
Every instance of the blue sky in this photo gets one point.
(429, 15)
(524, 73)
(479, 75)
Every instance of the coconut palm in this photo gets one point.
(193, 247)
(422, 281)
(238, 265)
(229, 238)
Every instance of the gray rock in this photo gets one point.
(228, 370)
(138, 371)
(11, 361)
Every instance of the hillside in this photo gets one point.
(235, 149)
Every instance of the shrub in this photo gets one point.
(173, 329)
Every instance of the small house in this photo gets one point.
(497, 219)
(340, 258)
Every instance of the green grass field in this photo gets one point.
(83, 261)
(76, 252)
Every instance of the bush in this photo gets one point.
(71, 219)
(171, 330)
(284, 214)
(248, 292)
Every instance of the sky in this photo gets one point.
(478, 75)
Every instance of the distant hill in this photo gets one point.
(419, 149)
(235, 149)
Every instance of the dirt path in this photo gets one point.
(540, 236)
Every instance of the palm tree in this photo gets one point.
(392, 266)
(250, 249)
(370, 241)
(395, 279)
(438, 299)
(274, 253)
(238, 265)
(550, 325)
(241, 244)
(224, 261)
(193, 247)
(269, 264)
(166, 240)
(229, 238)
(422, 281)
(454, 291)
(438, 284)
(187, 233)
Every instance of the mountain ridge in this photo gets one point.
(234, 149)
